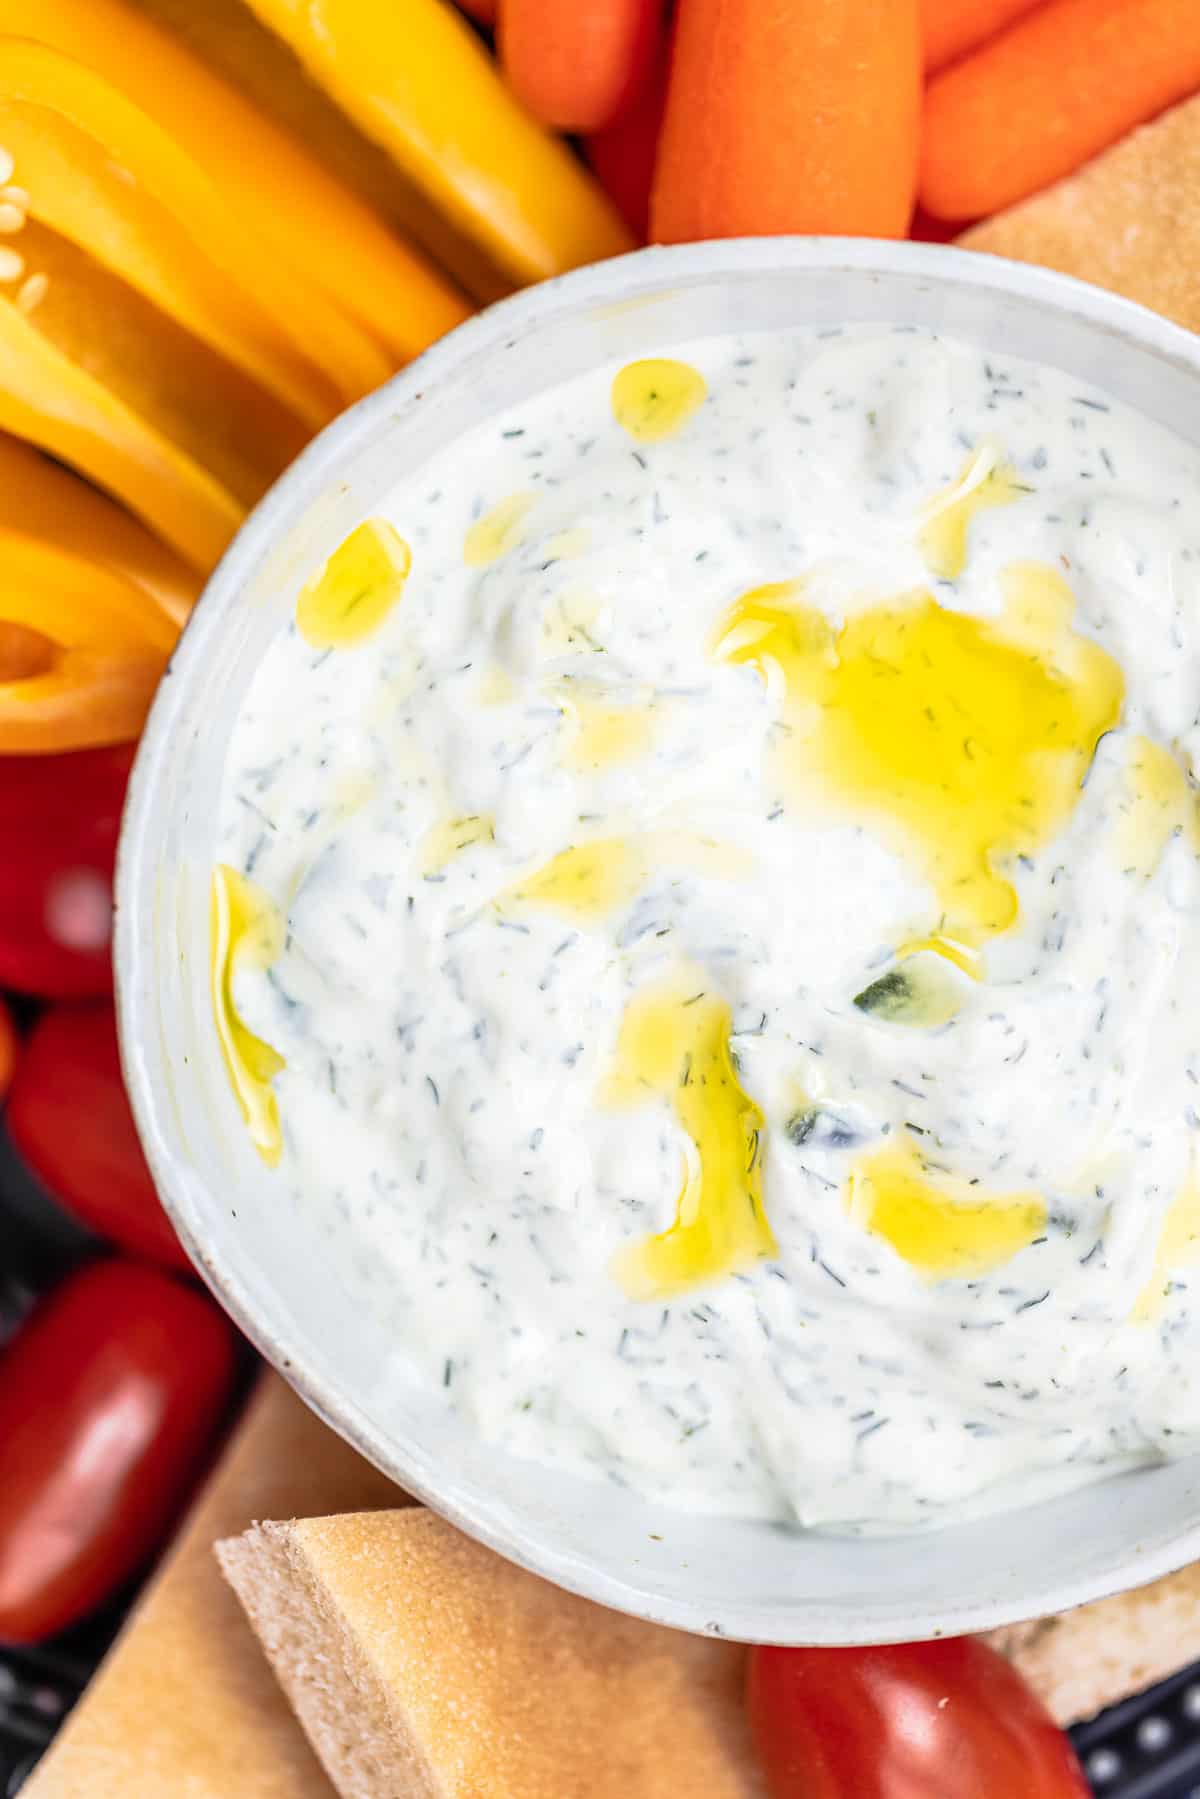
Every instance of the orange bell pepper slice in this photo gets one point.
(65, 597)
(322, 237)
(82, 649)
(414, 77)
(40, 498)
(48, 399)
(81, 698)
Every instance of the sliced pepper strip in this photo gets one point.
(322, 235)
(56, 895)
(194, 398)
(104, 642)
(38, 75)
(53, 590)
(39, 498)
(47, 399)
(74, 187)
(415, 77)
(85, 698)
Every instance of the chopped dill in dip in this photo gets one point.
(708, 903)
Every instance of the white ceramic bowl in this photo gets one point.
(300, 1289)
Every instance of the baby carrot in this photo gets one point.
(1049, 93)
(949, 28)
(789, 115)
(622, 155)
(577, 64)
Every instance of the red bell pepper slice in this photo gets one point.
(59, 819)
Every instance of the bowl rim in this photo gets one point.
(617, 280)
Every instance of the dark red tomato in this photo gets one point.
(69, 1120)
(110, 1394)
(8, 1048)
(59, 817)
(928, 230)
(948, 1720)
(622, 155)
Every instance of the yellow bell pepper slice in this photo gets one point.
(324, 239)
(208, 409)
(81, 649)
(41, 499)
(415, 77)
(50, 401)
(34, 73)
(76, 189)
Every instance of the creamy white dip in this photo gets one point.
(965, 1227)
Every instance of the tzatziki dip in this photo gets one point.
(708, 900)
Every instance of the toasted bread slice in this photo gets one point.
(1129, 220)
(423, 1666)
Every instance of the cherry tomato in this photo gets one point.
(8, 1048)
(946, 1720)
(59, 818)
(110, 1394)
(69, 1120)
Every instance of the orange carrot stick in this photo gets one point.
(577, 64)
(1049, 93)
(622, 155)
(949, 28)
(789, 115)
